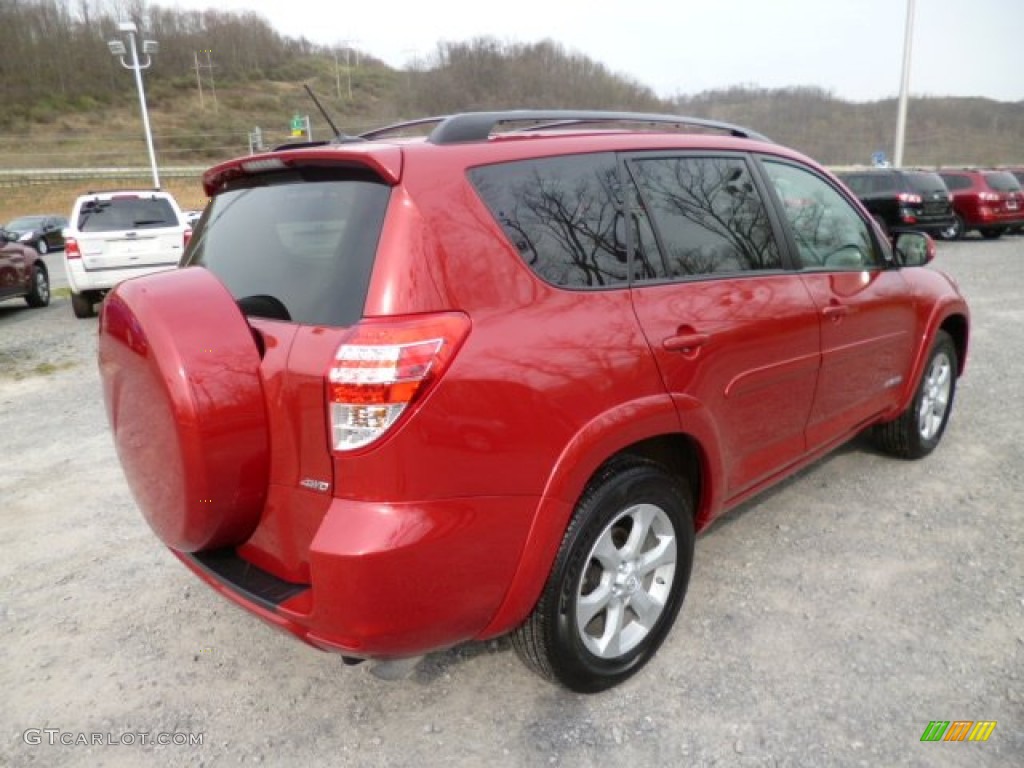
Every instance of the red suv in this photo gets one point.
(410, 392)
(988, 201)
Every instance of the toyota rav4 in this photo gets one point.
(408, 392)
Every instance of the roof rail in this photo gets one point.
(376, 133)
(478, 126)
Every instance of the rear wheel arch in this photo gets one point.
(618, 580)
(682, 455)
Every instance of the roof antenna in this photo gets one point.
(337, 134)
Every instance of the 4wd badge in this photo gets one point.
(315, 485)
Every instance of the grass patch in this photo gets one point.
(46, 369)
(13, 366)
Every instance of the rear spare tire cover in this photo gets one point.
(184, 398)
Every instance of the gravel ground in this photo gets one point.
(827, 622)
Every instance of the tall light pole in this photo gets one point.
(148, 47)
(901, 116)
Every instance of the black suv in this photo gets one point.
(903, 199)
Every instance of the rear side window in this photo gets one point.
(294, 247)
(707, 215)
(562, 215)
(126, 213)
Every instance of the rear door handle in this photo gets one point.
(835, 311)
(685, 342)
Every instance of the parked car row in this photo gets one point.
(109, 237)
(947, 203)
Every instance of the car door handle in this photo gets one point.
(685, 342)
(835, 311)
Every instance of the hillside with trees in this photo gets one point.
(217, 76)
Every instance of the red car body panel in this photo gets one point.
(445, 529)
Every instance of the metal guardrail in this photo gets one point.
(22, 176)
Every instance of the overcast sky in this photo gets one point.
(853, 48)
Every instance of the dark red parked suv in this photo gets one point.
(410, 392)
(989, 201)
(23, 272)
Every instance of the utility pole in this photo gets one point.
(348, 67)
(208, 66)
(901, 116)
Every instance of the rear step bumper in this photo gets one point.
(386, 581)
(250, 582)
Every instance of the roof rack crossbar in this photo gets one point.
(478, 126)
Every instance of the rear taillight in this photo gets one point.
(905, 197)
(383, 366)
(71, 249)
(186, 238)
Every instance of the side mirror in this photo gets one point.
(913, 249)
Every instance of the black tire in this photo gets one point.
(42, 246)
(916, 431)
(955, 230)
(82, 306)
(991, 234)
(631, 539)
(39, 294)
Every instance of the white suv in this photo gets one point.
(115, 235)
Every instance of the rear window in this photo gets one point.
(294, 247)
(118, 214)
(873, 183)
(956, 181)
(1002, 181)
(859, 183)
(926, 183)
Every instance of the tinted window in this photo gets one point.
(829, 232)
(125, 213)
(859, 183)
(297, 249)
(707, 216)
(562, 215)
(26, 223)
(925, 183)
(866, 184)
(956, 181)
(1003, 181)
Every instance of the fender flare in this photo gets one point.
(594, 443)
(943, 313)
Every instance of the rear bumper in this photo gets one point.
(80, 279)
(989, 218)
(922, 222)
(386, 580)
